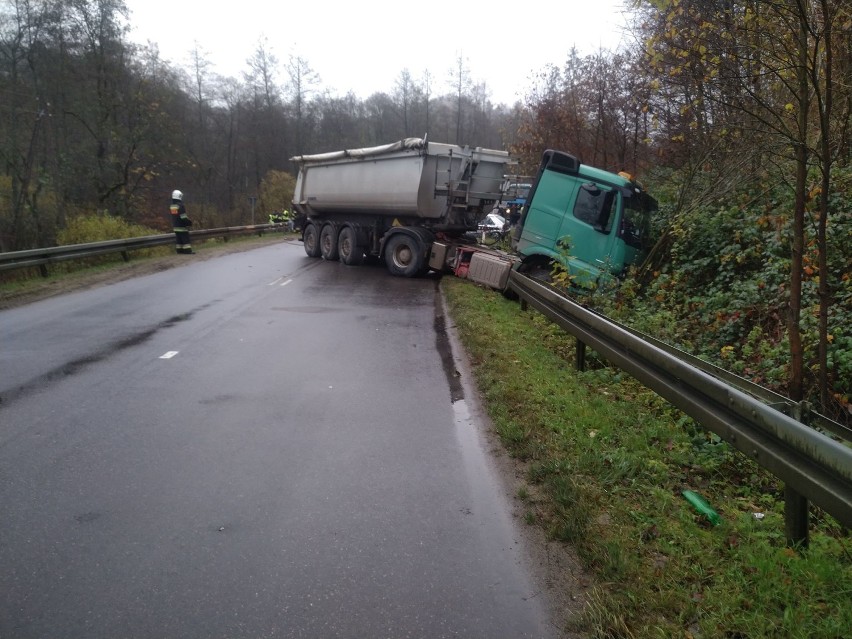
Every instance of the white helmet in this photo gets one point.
(177, 195)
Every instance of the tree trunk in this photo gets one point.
(798, 240)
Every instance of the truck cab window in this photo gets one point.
(633, 227)
(594, 206)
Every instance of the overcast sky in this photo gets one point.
(364, 45)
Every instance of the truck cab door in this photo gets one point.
(587, 231)
(544, 220)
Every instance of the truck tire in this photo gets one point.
(311, 240)
(539, 270)
(350, 252)
(328, 243)
(404, 256)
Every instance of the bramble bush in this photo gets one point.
(721, 293)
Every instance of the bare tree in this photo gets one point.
(404, 96)
(765, 71)
(303, 81)
(427, 96)
(461, 83)
(261, 73)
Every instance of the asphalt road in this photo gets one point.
(259, 445)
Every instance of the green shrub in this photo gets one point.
(100, 227)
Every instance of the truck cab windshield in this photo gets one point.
(594, 206)
(636, 221)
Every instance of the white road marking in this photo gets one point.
(286, 283)
(168, 355)
(276, 281)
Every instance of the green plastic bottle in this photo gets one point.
(702, 506)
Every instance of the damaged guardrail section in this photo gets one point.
(44, 256)
(812, 465)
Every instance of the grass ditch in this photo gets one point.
(606, 463)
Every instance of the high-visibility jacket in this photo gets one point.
(180, 219)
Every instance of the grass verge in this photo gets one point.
(610, 460)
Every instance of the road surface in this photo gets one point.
(259, 445)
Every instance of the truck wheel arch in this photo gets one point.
(537, 267)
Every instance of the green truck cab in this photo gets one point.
(592, 222)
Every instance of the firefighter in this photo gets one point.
(514, 214)
(180, 223)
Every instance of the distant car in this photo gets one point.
(492, 228)
(493, 222)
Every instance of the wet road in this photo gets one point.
(259, 445)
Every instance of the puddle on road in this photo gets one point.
(307, 309)
(77, 365)
(445, 350)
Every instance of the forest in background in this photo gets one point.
(734, 114)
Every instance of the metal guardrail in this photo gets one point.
(44, 256)
(800, 411)
(813, 466)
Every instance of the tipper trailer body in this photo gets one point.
(395, 201)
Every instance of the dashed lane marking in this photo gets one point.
(168, 355)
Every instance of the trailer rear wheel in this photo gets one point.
(311, 240)
(350, 252)
(404, 256)
(328, 242)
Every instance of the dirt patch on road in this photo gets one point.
(33, 290)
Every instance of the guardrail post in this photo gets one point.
(581, 355)
(796, 506)
(125, 255)
(42, 268)
(795, 518)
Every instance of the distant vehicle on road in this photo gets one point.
(493, 223)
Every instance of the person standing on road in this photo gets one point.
(180, 223)
(287, 220)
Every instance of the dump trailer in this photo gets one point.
(409, 203)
